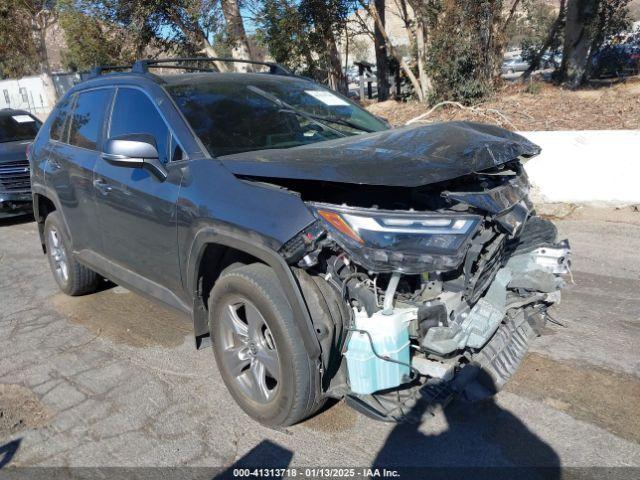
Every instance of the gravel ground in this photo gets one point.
(114, 380)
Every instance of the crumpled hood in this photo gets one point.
(404, 157)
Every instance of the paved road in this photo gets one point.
(111, 379)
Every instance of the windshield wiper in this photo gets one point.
(318, 119)
(341, 121)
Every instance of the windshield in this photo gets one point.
(14, 128)
(234, 117)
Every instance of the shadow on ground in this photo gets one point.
(482, 439)
(17, 220)
(266, 455)
(8, 451)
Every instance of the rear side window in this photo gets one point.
(57, 131)
(87, 117)
(133, 112)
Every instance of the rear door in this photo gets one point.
(72, 153)
(137, 210)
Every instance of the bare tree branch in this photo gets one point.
(394, 52)
(502, 118)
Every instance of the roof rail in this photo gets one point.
(99, 70)
(142, 66)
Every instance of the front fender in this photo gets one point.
(261, 249)
(50, 194)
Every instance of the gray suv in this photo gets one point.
(319, 252)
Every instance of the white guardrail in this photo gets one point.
(593, 166)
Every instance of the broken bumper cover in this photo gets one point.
(535, 274)
(488, 372)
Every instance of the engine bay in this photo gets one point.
(431, 282)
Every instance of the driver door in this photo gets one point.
(136, 208)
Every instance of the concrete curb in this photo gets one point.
(600, 167)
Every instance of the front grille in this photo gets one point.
(14, 177)
(483, 270)
(485, 262)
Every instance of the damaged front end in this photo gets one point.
(418, 291)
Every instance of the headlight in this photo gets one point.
(385, 241)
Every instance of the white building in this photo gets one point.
(35, 94)
(28, 93)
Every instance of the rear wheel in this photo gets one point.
(261, 358)
(72, 277)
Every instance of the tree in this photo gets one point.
(327, 19)
(302, 36)
(582, 16)
(551, 37)
(423, 10)
(18, 48)
(287, 36)
(184, 21)
(382, 58)
(236, 34)
(468, 38)
(588, 24)
(393, 51)
(30, 19)
(91, 41)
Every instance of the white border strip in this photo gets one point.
(593, 166)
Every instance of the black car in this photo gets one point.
(321, 253)
(17, 130)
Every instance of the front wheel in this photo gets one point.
(261, 357)
(72, 277)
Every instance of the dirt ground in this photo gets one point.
(110, 380)
(541, 107)
(20, 409)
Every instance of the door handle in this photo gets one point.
(102, 186)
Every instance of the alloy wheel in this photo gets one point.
(248, 350)
(58, 255)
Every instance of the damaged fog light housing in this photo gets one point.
(408, 242)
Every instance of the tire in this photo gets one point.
(257, 347)
(72, 277)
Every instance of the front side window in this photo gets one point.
(87, 117)
(134, 113)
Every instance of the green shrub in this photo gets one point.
(465, 50)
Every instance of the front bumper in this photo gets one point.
(494, 334)
(14, 204)
(486, 373)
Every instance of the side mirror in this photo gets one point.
(134, 151)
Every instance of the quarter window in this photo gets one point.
(57, 131)
(86, 121)
(134, 113)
